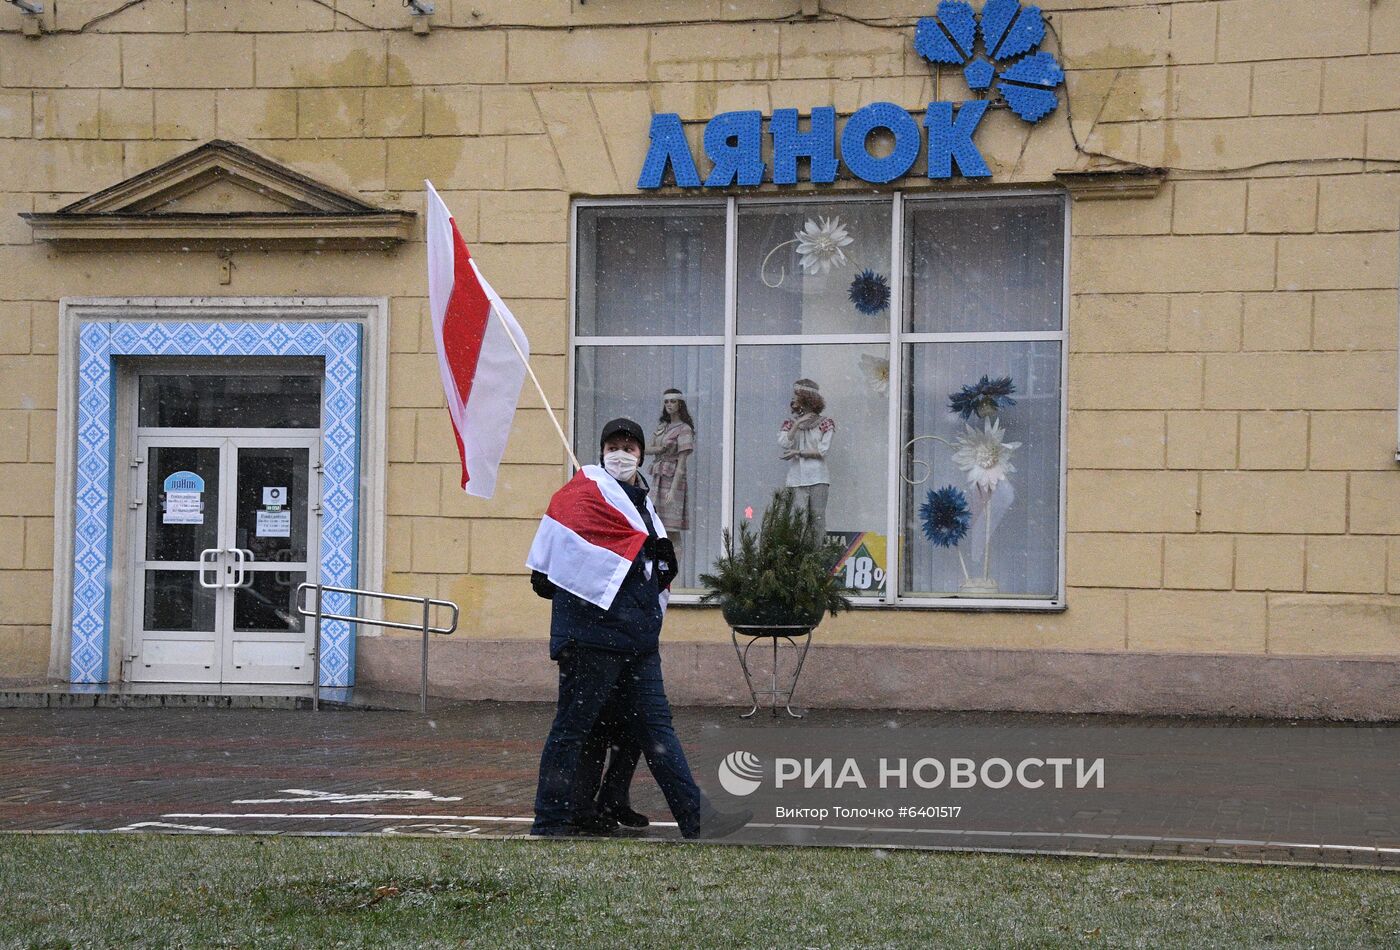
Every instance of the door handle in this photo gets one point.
(236, 568)
(242, 578)
(218, 580)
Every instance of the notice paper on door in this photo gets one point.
(274, 524)
(183, 507)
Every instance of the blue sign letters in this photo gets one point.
(880, 115)
(734, 144)
(818, 145)
(950, 139)
(668, 146)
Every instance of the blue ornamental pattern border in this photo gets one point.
(339, 343)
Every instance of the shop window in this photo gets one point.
(979, 265)
(796, 261)
(896, 362)
(684, 464)
(843, 420)
(1012, 516)
(651, 271)
(981, 396)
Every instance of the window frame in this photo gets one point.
(896, 339)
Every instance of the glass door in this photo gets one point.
(272, 549)
(225, 532)
(178, 565)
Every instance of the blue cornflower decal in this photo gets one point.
(1007, 32)
(945, 516)
(985, 397)
(870, 292)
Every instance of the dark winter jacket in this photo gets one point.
(633, 623)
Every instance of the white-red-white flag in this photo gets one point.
(482, 371)
(590, 535)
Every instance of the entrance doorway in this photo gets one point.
(225, 527)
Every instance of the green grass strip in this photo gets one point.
(176, 891)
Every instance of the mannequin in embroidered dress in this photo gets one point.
(672, 443)
(804, 441)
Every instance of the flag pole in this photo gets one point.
(539, 389)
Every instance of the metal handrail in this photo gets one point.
(319, 615)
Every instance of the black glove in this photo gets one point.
(663, 555)
(542, 585)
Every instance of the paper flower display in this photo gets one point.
(870, 292)
(986, 397)
(945, 516)
(877, 372)
(984, 456)
(820, 244)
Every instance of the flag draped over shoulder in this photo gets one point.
(589, 536)
(482, 372)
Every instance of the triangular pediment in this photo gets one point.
(223, 193)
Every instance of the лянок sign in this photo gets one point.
(994, 48)
(734, 143)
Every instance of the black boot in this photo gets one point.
(625, 816)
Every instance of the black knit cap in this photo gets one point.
(625, 427)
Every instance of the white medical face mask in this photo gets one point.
(620, 464)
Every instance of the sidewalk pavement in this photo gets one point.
(469, 769)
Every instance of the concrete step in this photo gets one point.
(186, 695)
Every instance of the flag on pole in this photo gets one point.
(589, 536)
(482, 369)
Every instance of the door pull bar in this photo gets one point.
(203, 555)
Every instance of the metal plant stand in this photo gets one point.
(777, 694)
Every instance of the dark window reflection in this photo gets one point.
(246, 402)
(260, 529)
(174, 538)
(175, 601)
(268, 602)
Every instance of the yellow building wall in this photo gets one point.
(1232, 377)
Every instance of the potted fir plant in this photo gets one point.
(778, 578)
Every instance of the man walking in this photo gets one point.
(603, 547)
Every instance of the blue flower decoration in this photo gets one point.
(870, 292)
(986, 397)
(1007, 32)
(945, 516)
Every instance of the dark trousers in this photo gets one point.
(588, 680)
(607, 763)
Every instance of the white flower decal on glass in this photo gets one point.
(984, 456)
(820, 243)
